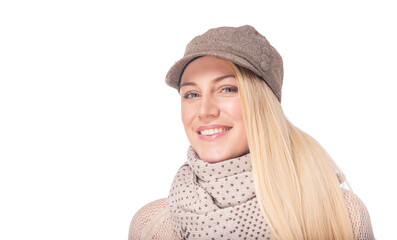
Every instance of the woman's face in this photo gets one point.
(211, 111)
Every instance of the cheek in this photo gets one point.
(233, 109)
(187, 113)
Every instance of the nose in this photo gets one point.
(209, 108)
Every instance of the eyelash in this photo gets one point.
(233, 89)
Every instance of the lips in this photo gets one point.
(212, 132)
(212, 126)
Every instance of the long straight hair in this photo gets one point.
(297, 183)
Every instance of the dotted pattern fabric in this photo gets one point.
(216, 201)
(147, 224)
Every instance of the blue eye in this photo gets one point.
(229, 89)
(191, 95)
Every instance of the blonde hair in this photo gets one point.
(296, 181)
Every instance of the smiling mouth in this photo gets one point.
(213, 131)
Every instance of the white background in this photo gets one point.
(89, 131)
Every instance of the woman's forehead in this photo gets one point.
(207, 67)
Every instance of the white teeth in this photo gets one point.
(213, 131)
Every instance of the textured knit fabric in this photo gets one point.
(243, 46)
(359, 217)
(217, 201)
(143, 227)
(152, 222)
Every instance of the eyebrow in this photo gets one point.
(215, 80)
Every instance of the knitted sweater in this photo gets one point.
(152, 222)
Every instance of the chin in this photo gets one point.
(213, 160)
(214, 156)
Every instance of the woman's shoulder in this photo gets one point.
(152, 221)
(359, 216)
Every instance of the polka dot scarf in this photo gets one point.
(216, 201)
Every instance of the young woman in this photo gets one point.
(250, 173)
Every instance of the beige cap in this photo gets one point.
(243, 46)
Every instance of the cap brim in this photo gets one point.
(175, 71)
